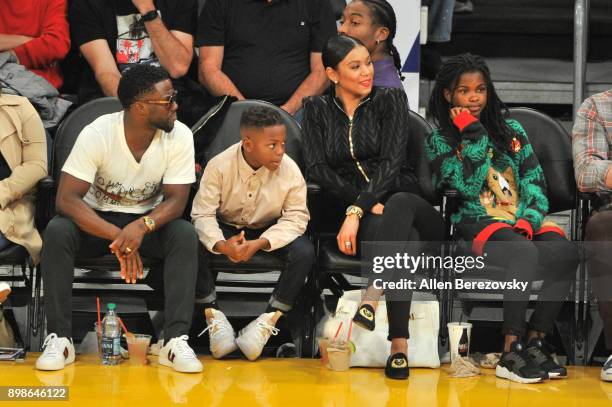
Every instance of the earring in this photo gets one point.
(377, 42)
(335, 82)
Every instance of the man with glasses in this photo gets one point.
(123, 190)
(116, 34)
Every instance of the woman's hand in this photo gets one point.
(456, 111)
(347, 237)
(378, 209)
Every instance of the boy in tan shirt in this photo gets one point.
(252, 197)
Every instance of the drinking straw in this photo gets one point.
(349, 331)
(337, 331)
(127, 333)
(99, 320)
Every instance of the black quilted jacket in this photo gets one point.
(361, 161)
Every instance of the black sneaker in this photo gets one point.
(365, 317)
(517, 366)
(539, 352)
(397, 367)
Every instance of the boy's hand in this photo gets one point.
(229, 247)
(248, 248)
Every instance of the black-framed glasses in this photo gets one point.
(168, 102)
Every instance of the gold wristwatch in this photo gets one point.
(354, 210)
(149, 223)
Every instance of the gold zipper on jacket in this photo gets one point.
(350, 139)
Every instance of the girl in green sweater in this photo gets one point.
(488, 159)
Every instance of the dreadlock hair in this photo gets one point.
(492, 116)
(383, 15)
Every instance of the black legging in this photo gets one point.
(406, 218)
(549, 257)
(598, 244)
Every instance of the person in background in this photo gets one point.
(264, 49)
(114, 35)
(373, 23)
(23, 162)
(36, 33)
(439, 29)
(592, 151)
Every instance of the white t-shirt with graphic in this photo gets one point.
(102, 157)
(133, 42)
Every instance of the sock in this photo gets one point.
(211, 305)
(270, 308)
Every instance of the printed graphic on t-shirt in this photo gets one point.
(109, 192)
(133, 43)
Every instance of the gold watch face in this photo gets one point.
(149, 222)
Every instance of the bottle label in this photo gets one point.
(107, 347)
(116, 346)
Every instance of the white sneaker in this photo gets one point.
(606, 370)
(57, 353)
(254, 336)
(221, 334)
(5, 290)
(178, 355)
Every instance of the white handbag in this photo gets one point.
(372, 347)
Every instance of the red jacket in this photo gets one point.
(45, 21)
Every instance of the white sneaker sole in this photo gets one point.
(504, 373)
(224, 351)
(53, 366)
(192, 369)
(606, 377)
(244, 348)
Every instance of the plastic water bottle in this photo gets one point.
(111, 337)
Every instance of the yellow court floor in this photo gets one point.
(295, 382)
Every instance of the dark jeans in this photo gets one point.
(406, 218)
(176, 243)
(298, 256)
(548, 257)
(599, 265)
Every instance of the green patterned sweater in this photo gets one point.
(494, 186)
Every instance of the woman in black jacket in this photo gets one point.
(355, 144)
